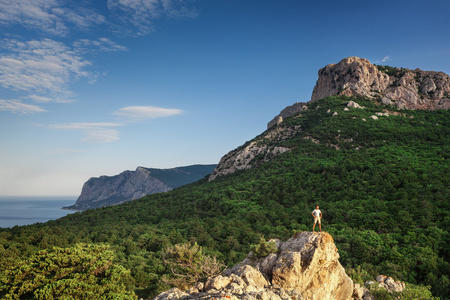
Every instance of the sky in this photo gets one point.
(97, 87)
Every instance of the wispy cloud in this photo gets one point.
(102, 44)
(139, 113)
(41, 67)
(141, 14)
(50, 16)
(18, 107)
(46, 68)
(93, 132)
(383, 60)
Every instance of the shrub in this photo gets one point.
(264, 248)
(81, 272)
(188, 264)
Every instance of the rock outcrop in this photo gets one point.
(387, 283)
(287, 112)
(131, 185)
(305, 267)
(253, 153)
(404, 88)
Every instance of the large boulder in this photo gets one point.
(304, 267)
(404, 88)
(310, 264)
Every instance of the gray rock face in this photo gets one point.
(287, 112)
(253, 153)
(126, 186)
(404, 88)
(131, 185)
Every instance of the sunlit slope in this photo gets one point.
(380, 175)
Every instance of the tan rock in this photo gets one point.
(353, 104)
(381, 278)
(307, 267)
(358, 291)
(404, 88)
(217, 283)
(309, 264)
(351, 76)
(171, 294)
(287, 112)
(253, 279)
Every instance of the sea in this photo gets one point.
(19, 211)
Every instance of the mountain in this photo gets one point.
(403, 88)
(380, 174)
(351, 77)
(131, 185)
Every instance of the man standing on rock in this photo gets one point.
(317, 214)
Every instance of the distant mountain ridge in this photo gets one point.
(130, 185)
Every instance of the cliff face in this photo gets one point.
(252, 153)
(131, 185)
(116, 189)
(404, 88)
(287, 112)
(353, 76)
(305, 267)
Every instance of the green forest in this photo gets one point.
(382, 185)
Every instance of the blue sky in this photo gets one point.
(90, 88)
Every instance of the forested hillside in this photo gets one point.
(382, 184)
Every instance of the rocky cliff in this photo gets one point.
(352, 76)
(304, 267)
(130, 185)
(287, 112)
(252, 153)
(404, 88)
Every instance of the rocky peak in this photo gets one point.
(305, 267)
(404, 88)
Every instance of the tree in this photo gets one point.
(188, 264)
(81, 272)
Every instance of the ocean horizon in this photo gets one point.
(27, 210)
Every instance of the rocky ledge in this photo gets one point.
(404, 88)
(304, 267)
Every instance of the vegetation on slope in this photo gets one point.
(382, 185)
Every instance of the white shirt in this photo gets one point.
(316, 213)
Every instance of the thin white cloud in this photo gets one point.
(101, 135)
(41, 67)
(83, 126)
(102, 44)
(139, 113)
(51, 16)
(383, 60)
(45, 68)
(141, 14)
(19, 107)
(93, 132)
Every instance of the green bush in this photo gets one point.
(264, 248)
(188, 265)
(80, 272)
